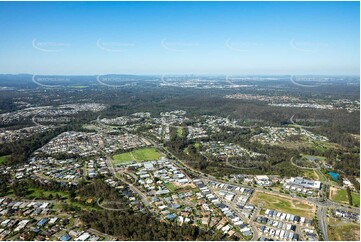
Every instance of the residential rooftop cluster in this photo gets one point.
(154, 176)
(295, 102)
(161, 132)
(173, 195)
(61, 110)
(38, 220)
(9, 136)
(303, 105)
(277, 135)
(276, 225)
(51, 168)
(207, 125)
(88, 144)
(200, 83)
(222, 150)
(202, 126)
(243, 194)
(122, 120)
(349, 105)
(263, 180)
(220, 198)
(346, 215)
(160, 126)
(263, 98)
(96, 167)
(171, 118)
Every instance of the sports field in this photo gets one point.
(144, 154)
(283, 204)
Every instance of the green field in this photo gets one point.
(170, 186)
(283, 204)
(339, 196)
(317, 145)
(144, 154)
(3, 158)
(355, 199)
(37, 193)
(180, 132)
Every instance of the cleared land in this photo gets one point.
(144, 154)
(284, 204)
(342, 231)
(338, 195)
(89, 126)
(305, 162)
(310, 174)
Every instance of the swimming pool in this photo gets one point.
(333, 175)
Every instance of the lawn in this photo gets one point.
(338, 195)
(3, 158)
(144, 154)
(284, 204)
(123, 158)
(37, 193)
(355, 199)
(342, 231)
(180, 132)
(170, 186)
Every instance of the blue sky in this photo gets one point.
(180, 37)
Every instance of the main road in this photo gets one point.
(322, 223)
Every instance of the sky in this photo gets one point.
(230, 38)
